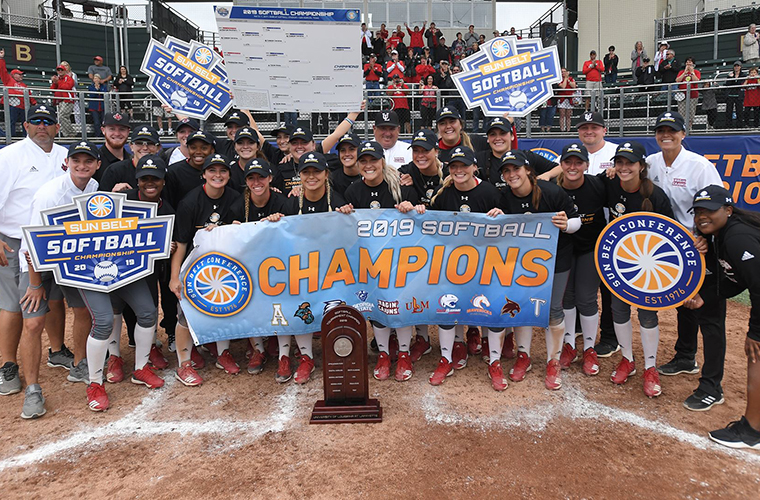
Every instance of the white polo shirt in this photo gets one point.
(601, 160)
(688, 174)
(24, 167)
(400, 154)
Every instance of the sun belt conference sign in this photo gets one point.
(100, 242)
(509, 75)
(189, 77)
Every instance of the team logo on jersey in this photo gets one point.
(480, 305)
(510, 307)
(389, 307)
(304, 312)
(649, 261)
(448, 303)
(465, 208)
(218, 285)
(374, 205)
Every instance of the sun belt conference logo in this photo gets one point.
(218, 285)
(100, 206)
(649, 261)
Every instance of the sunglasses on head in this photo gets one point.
(42, 121)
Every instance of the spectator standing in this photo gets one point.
(63, 99)
(443, 76)
(565, 100)
(710, 102)
(661, 55)
(411, 62)
(400, 33)
(458, 49)
(750, 50)
(513, 32)
(399, 92)
(416, 41)
(424, 69)
(383, 32)
(610, 65)
(123, 84)
(393, 41)
(471, 37)
(752, 98)
(735, 97)
(15, 82)
(669, 68)
(442, 51)
(689, 78)
(395, 67)
(429, 101)
(97, 68)
(95, 103)
(638, 54)
(367, 46)
(373, 73)
(645, 74)
(593, 69)
(378, 47)
(432, 35)
(77, 111)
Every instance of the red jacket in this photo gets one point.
(593, 70)
(399, 96)
(382, 34)
(394, 41)
(65, 82)
(415, 39)
(424, 70)
(394, 69)
(373, 73)
(16, 90)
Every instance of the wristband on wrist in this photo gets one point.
(35, 287)
(349, 120)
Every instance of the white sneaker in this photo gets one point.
(160, 131)
(170, 131)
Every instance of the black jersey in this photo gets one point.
(276, 204)
(237, 176)
(589, 200)
(197, 210)
(621, 202)
(285, 175)
(116, 173)
(479, 143)
(164, 207)
(181, 178)
(107, 159)
(489, 166)
(361, 195)
(553, 199)
(425, 185)
(272, 152)
(480, 199)
(291, 206)
(340, 181)
(225, 147)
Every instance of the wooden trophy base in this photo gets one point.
(347, 413)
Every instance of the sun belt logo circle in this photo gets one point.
(218, 285)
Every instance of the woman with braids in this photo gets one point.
(246, 148)
(450, 127)
(629, 191)
(733, 235)
(314, 197)
(380, 187)
(528, 194)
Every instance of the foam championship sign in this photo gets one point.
(188, 77)
(101, 242)
(398, 269)
(649, 261)
(509, 75)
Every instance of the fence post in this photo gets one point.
(366, 113)
(7, 110)
(670, 97)
(687, 101)
(83, 117)
(715, 36)
(27, 102)
(622, 98)
(528, 131)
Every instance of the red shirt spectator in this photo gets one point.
(61, 82)
(566, 93)
(752, 91)
(394, 67)
(17, 86)
(424, 69)
(399, 95)
(689, 74)
(416, 37)
(394, 40)
(383, 32)
(372, 70)
(593, 69)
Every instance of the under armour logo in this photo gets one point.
(465, 198)
(311, 209)
(373, 193)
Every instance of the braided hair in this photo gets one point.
(647, 187)
(301, 195)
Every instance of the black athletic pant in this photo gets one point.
(158, 280)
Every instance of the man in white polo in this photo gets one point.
(386, 130)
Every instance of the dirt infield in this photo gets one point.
(248, 437)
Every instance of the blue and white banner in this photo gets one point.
(189, 77)
(509, 75)
(397, 269)
(100, 242)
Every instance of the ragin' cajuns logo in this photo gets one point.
(649, 261)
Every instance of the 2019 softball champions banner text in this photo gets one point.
(397, 269)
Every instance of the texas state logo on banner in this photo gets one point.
(100, 242)
(189, 77)
(398, 269)
(649, 261)
(509, 75)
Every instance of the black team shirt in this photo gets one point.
(340, 181)
(336, 201)
(276, 204)
(116, 173)
(621, 202)
(361, 195)
(589, 200)
(181, 178)
(424, 185)
(479, 199)
(197, 210)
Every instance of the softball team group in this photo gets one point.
(450, 170)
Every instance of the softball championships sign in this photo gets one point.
(397, 269)
(188, 77)
(508, 74)
(101, 242)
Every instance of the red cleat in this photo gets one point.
(553, 380)
(146, 376)
(459, 355)
(444, 369)
(569, 355)
(284, 372)
(473, 341)
(304, 370)
(496, 374)
(157, 359)
(187, 375)
(404, 367)
(652, 386)
(196, 359)
(590, 362)
(508, 349)
(521, 367)
(419, 349)
(623, 370)
(227, 363)
(115, 369)
(383, 367)
(256, 362)
(97, 399)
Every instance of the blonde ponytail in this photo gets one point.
(447, 182)
(393, 179)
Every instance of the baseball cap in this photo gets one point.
(316, 160)
(387, 118)
(514, 157)
(738, 63)
(574, 149)
(631, 150)
(425, 138)
(500, 123)
(17, 72)
(42, 111)
(712, 198)
(145, 133)
(200, 135)
(593, 117)
(60, 66)
(287, 129)
(349, 138)
(84, 147)
(447, 112)
(462, 154)
(237, 118)
(151, 165)
(189, 122)
(301, 133)
(97, 58)
(116, 119)
(247, 133)
(394, 51)
(672, 119)
(258, 166)
(216, 159)
(370, 148)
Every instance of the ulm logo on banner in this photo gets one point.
(649, 261)
(100, 242)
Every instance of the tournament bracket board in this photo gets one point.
(281, 59)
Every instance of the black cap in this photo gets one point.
(188, 122)
(712, 198)
(631, 150)
(425, 138)
(386, 118)
(500, 123)
(151, 165)
(514, 157)
(574, 149)
(738, 63)
(591, 117)
(216, 159)
(349, 138)
(200, 135)
(85, 147)
(301, 133)
(371, 148)
(116, 119)
(447, 112)
(258, 166)
(285, 128)
(247, 133)
(42, 111)
(145, 133)
(237, 118)
(462, 154)
(672, 119)
(316, 160)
